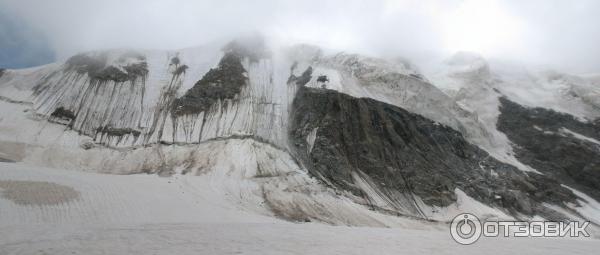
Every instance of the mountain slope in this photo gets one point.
(292, 132)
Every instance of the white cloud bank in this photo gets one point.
(559, 33)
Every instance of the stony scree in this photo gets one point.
(542, 140)
(405, 154)
(221, 83)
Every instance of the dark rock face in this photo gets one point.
(322, 78)
(175, 61)
(221, 83)
(405, 155)
(112, 131)
(303, 78)
(136, 70)
(543, 141)
(2, 72)
(63, 114)
(115, 132)
(97, 69)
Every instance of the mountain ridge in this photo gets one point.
(143, 103)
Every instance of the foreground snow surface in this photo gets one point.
(50, 211)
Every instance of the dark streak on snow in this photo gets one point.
(166, 100)
(180, 70)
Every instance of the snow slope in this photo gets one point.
(141, 214)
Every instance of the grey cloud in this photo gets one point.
(560, 33)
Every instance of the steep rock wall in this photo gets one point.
(399, 161)
(557, 144)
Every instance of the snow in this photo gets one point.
(384, 81)
(310, 139)
(147, 214)
(579, 136)
(560, 92)
(16, 85)
(110, 200)
(588, 208)
(476, 86)
(464, 203)
(572, 94)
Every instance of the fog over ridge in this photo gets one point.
(559, 33)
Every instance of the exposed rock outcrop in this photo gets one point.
(555, 144)
(376, 150)
(97, 68)
(221, 83)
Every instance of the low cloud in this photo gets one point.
(560, 33)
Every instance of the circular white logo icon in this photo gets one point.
(465, 228)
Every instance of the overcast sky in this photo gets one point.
(562, 34)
